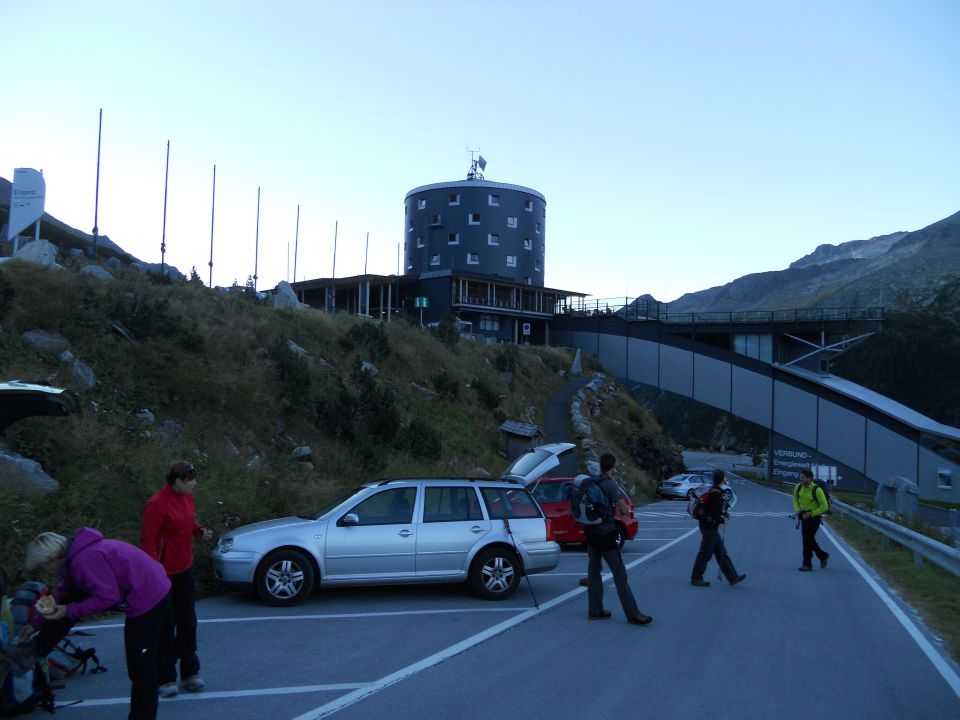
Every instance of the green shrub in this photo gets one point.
(447, 330)
(446, 386)
(420, 439)
(507, 357)
(487, 396)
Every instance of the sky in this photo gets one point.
(679, 144)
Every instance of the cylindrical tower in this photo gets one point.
(476, 226)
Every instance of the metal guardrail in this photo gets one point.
(923, 547)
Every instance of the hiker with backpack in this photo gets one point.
(167, 533)
(809, 504)
(711, 513)
(602, 544)
(98, 574)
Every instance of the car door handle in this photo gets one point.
(404, 533)
(476, 529)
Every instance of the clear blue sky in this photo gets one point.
(679, 144)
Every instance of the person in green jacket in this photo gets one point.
(809, 503)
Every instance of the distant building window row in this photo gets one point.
(453, 238)
(493, 239)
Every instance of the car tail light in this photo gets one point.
(549, 528)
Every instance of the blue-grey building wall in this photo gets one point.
(476, 226)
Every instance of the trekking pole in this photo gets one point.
(506, 524)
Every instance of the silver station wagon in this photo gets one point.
(486, 532)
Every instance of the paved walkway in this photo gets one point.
(556, 424)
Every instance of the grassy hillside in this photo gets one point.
(230, 393)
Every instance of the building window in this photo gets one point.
(409, 264)
(511, 260)
(454, 198)
(538, 228)
(944, 479)
(410, 226)
(453, 238)
(493, 239)
(528, 280)
(473, 219)
(421, 204)
(528, 205)
(473, 258)
(490, 322)
(536, 265)
(435, 259)
(419, 242)
(493, 200)
(511, 222)
(435, 220)
(527, 245)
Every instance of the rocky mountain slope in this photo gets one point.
(903, 270)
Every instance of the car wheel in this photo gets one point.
(727, 495)
(620, 535)
(689, 493)
(284, 578)
(495, 573)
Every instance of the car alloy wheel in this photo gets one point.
(284, 578)
(619, 534)
(495, 574)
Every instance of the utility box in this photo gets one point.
(898, 495)
(520, 438)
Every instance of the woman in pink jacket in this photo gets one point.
(96, 575)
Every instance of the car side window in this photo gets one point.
(389, 507)
(509, 502)
(450, 504)
(548, 492)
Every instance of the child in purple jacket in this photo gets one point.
(96, 575)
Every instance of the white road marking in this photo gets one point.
(437, 658)
(99, 702)
(947, 672)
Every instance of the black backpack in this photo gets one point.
(824, 486)
(589, 505)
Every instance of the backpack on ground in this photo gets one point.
(824, 486)
(588, 503)
(70, 658)
(697, 503)
(20, 694)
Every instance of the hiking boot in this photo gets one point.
(599, 615)
(805, 568)
(823, 560)
(639, 619)
(583, 582)
(737, 579)
(20, 657)
(168, 690)
(700, 583)
(194, 683)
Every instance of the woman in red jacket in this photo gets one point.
(169, 526)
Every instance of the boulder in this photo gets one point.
(96, 271)
(19, 473)
(41, 252)
(43, 340)
(285, 297)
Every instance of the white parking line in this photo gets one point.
(437, 658)
(919, 638)
(326, 616)
(100, 702)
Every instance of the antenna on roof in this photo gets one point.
(477, 165)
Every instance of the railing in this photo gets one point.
(923, 548)
(639, 309)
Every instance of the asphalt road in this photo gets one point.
(828, 644)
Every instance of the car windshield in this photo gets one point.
(509, 502)
(330, 506)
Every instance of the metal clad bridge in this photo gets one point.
(772, 368)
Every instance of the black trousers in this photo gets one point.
(178, 642)
(141, 638)
(711, 545)
(808, 530)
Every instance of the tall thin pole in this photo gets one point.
(296, 244)
(256, 247)
(96, 197)
(366, 252)
(163, 236)
(332, 304)
(213, 209)
(366, 280)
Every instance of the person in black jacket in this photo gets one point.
(711, 542)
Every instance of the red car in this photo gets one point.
(548, 493)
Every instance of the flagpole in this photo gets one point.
(163, 236)
(333, 275)
(96, 197)
(256, 247)
(213, 208)
(296, 244)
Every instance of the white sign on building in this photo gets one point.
(26, 201)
